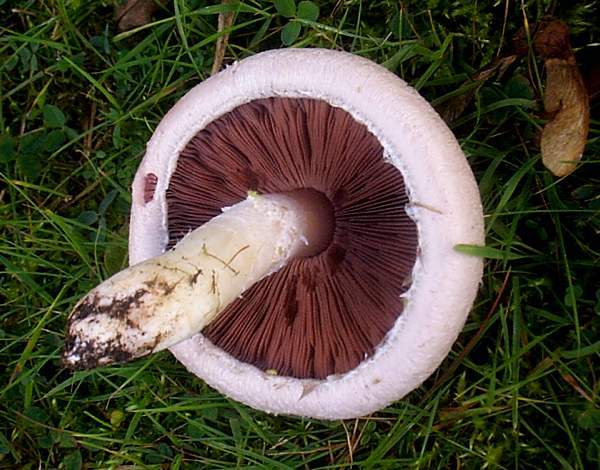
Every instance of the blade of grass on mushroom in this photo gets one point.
(487, 252)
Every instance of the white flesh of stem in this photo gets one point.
(164, 300)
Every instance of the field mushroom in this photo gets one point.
(375, 304)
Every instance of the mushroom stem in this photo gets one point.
(164, 300)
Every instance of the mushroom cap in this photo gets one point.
(445, 205)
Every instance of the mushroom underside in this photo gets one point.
(323, 314)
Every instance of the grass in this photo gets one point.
(78, 102)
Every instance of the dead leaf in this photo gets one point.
(450, 110)
(224, 22)
(565, 135)
(573, 383)
(552, 40)
(135, 13)
(566, 101)
(549, 38)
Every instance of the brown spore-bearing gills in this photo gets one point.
(323, 314)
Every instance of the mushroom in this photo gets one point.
(378, 192)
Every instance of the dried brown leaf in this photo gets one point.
(135, 13)
(564, 136)
(552, 40)
(566, 100)
(225, 21)
(549, 38)
(452, 109)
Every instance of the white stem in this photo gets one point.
(164, 300)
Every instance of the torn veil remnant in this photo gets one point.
(367, 314)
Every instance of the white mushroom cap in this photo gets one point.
(445, 205)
